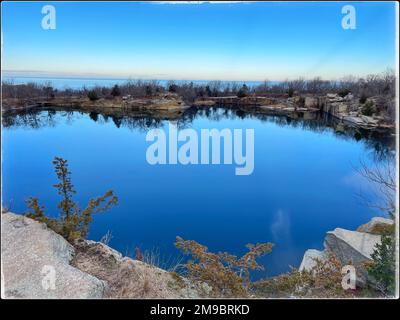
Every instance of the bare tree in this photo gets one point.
(383, 179)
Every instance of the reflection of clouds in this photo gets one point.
(280, 227)
(284, 252)
(354, 179)
(359, 183)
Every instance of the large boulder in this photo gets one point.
(342, 108)
(33, 256)
(335, 108)
(310, 258)
(352, 248)
(311, 102)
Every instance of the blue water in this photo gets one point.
(303, 185)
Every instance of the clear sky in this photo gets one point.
(203, 41)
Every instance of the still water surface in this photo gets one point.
(304, 181)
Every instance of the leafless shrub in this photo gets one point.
(383, 179)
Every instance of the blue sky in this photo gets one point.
(204, 41)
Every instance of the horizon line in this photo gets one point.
(160, 77)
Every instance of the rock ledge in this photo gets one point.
(32, 254)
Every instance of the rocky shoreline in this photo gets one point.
(38, 263)
(346, 110)
(163, 106)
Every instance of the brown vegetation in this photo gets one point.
(324, 280)
(227, 275)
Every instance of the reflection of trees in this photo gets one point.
(380, 151)
(381, 144)
(33, 119)
(142, 123)
(94, 116)
(117, 121)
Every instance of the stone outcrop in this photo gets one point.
(337, 105)
(33, 256)
(351, 247)
(311, 256)
(346, 109)
(312, 102)
(349, 110)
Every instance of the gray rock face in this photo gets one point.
(35, 263)
(310, 259)
(311, 102)
(352, 248)
(336, 108)
(340, 107)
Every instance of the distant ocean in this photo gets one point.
(78, 83)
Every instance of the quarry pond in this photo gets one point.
(304, 182)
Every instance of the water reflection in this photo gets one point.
(380, 143)
(304, 184)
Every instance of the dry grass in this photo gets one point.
(136, 279)
(155, 258)
(129, 278)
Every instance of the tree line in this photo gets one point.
(372, 85)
